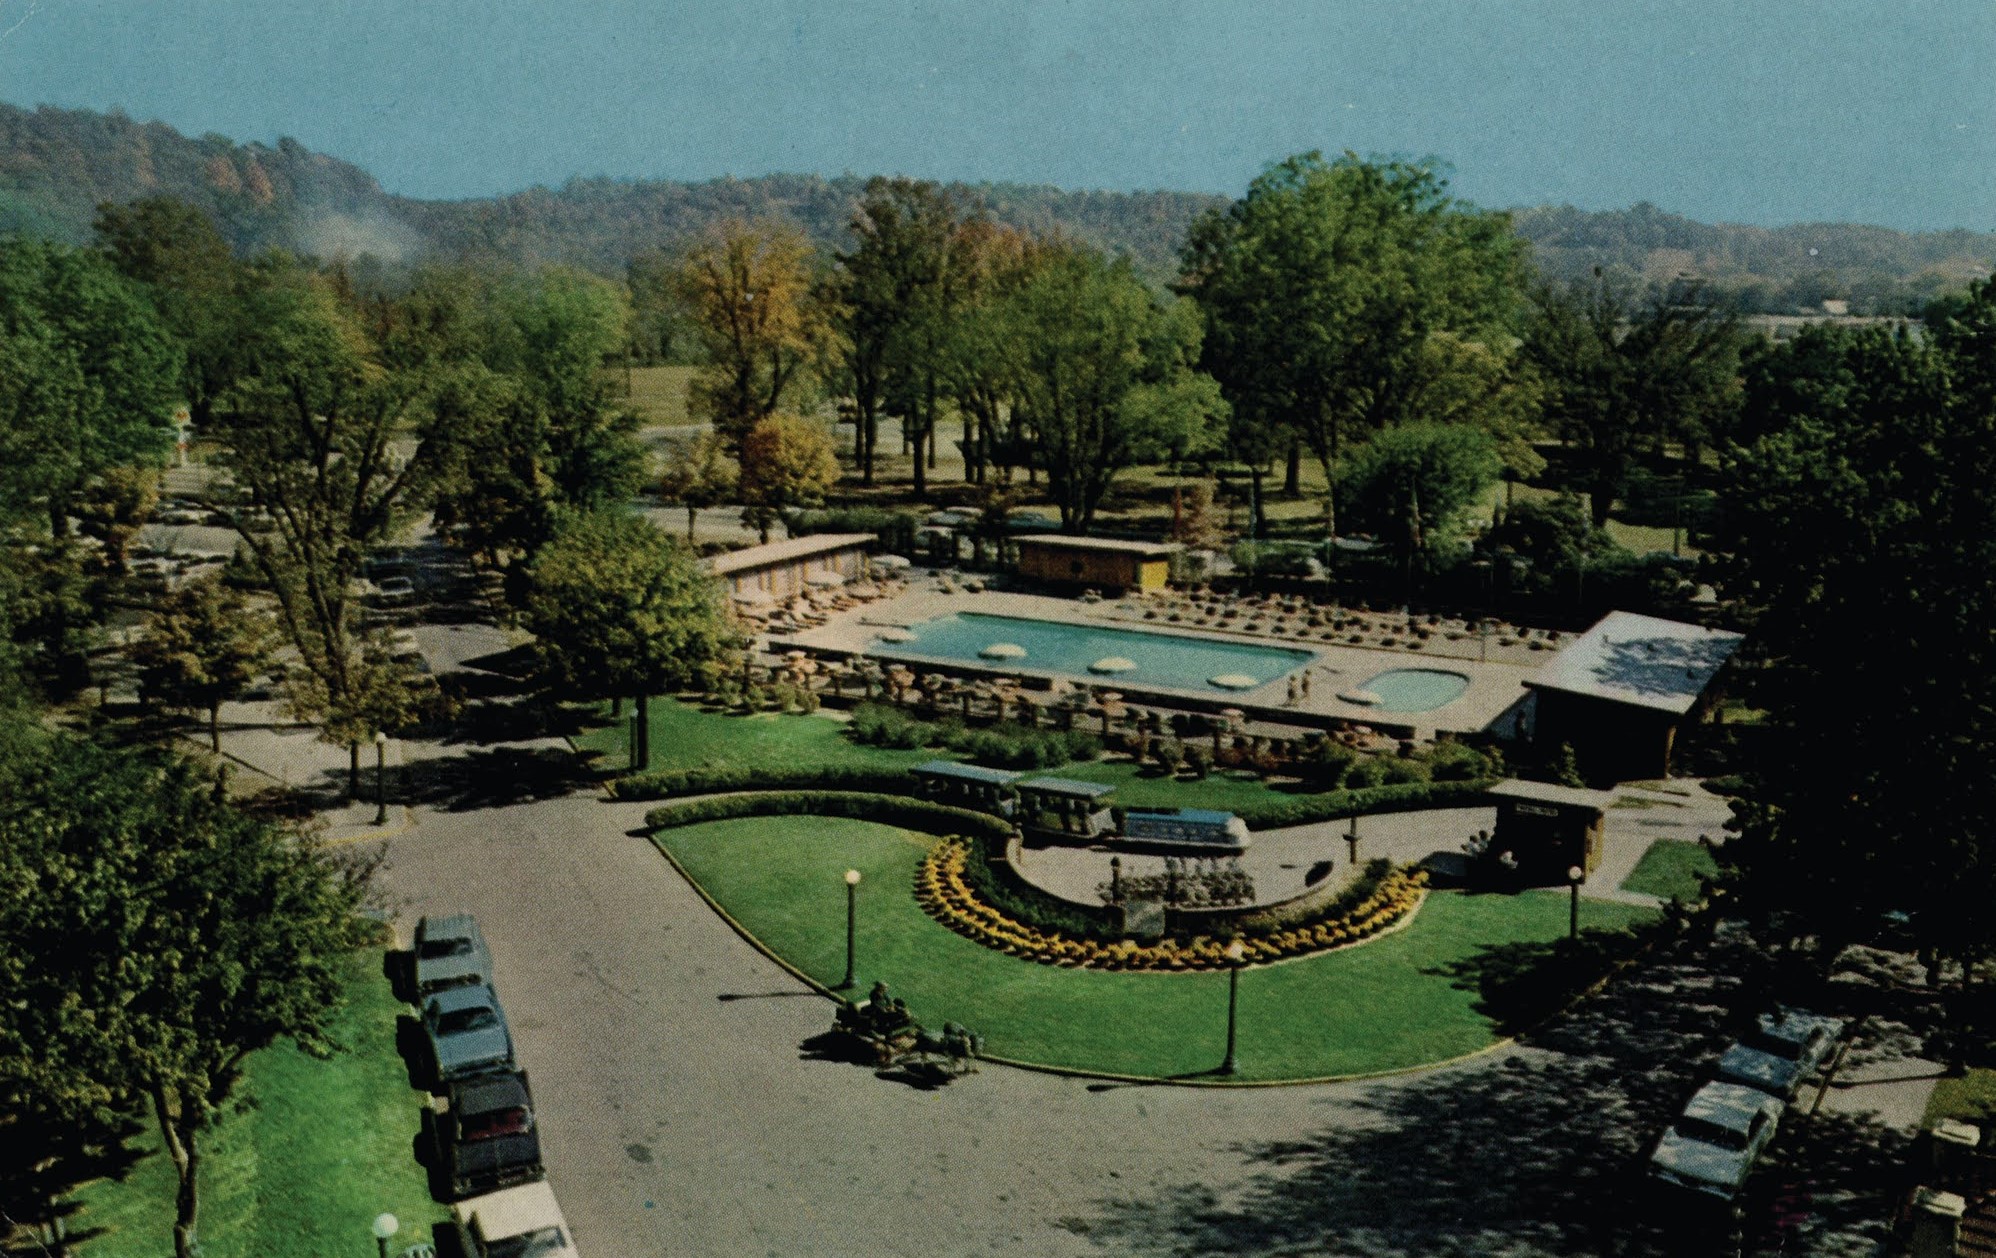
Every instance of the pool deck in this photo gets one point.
(1494, 686)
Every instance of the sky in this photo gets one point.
(1750, 111)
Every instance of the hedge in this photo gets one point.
(714, 779)
(1335, 805)
(889, 810)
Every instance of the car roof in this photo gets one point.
(1730, 1105)
(469, 996)
(456, 925)
(511, 1211)
(490, 1092)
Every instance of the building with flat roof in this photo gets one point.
(780, 570)
(1548, 828)
(1101, 561)
(1620, 693)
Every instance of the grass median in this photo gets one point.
(1382, 1006)
(302, 1172)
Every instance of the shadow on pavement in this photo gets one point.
(492, 778)
(1542, 1151)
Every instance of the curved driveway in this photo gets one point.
(680, 1117)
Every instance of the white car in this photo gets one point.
(394, 591)
(520, 1222)
(1716, 1140)
(1787, 1047)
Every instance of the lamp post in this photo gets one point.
(1235, 955)
(1351, 840)
(1575, 875)
(380, 779)
(385, 1226)
(852, 918)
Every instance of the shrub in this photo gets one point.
(889, 810)
(1199, 760)
(1304, 809)
(896, 529)
(712, 779)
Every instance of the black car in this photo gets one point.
(485, 1136)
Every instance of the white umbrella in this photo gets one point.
(1233, 681)
(893, 563)
(1364, 698)
(896, 635)
(825, 580)
(1003, 651)
(1112, 664)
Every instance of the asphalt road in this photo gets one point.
(679, 1115)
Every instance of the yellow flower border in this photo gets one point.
(946, 895)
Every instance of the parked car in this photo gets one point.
(485, 1136)
(394, 591)
(449, 952)
(520, 1222)
(467, 1033)
(1786, 1048)
(1716, 1140)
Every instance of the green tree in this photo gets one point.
(1415, 484)
(201, 648)
(199, 288)
(379, 694)
(760, 322)
(97, 377)
(1104, 376)
(788, 464)
(113, 508)
(1620, 379)
(1864, 542)
(1324, 289)
(699, 474)
(157, 937)
(618, 608)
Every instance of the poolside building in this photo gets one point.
(785, 569)
(1098, 561)
(1621, 693)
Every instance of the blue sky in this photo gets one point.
(1760, 111)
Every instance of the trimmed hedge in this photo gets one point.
(991, 875)
(715, 779)
(1337, 805)
(889, 810)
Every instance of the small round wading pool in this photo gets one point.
(1415, 689)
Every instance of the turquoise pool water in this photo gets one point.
(1157, 659)
(1415, 689)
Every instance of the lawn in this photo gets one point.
(325, 1148)
(1379, 1006)
(683, 736)
(1671, 869)
(1971, 1098)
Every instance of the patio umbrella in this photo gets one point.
(1233, 681)
(896, 635)
(1112, 664)
(892, 563)
(825, 580)
(1364, 698)
(1003, 651)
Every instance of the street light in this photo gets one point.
(1351, 840)
(1575, 875)
(380, 779)
(852, 918)
(385, 1226)
(1235, 954)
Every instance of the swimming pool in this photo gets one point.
(1415, 689)
(1094, 652)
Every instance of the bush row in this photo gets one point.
(1404, 797)
(713, 779)
(888, 810)
(1006, 745)
(943, 887)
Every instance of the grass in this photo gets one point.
(1971, 1098)
(324, 1147)
(1380, 1006)
(1137, 788)
(684, 736)
(1671, 869)
(657, 394)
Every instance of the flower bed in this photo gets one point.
(943, 889)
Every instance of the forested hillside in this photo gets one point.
(57, 165)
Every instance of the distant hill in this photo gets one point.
(57, 165)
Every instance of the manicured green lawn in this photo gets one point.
(326, 1147)
(1972, 1097)
(1376, 1007)
(1671, 869)
(684, 736)
(1135, 789)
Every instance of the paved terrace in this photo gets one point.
(1493, 686)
